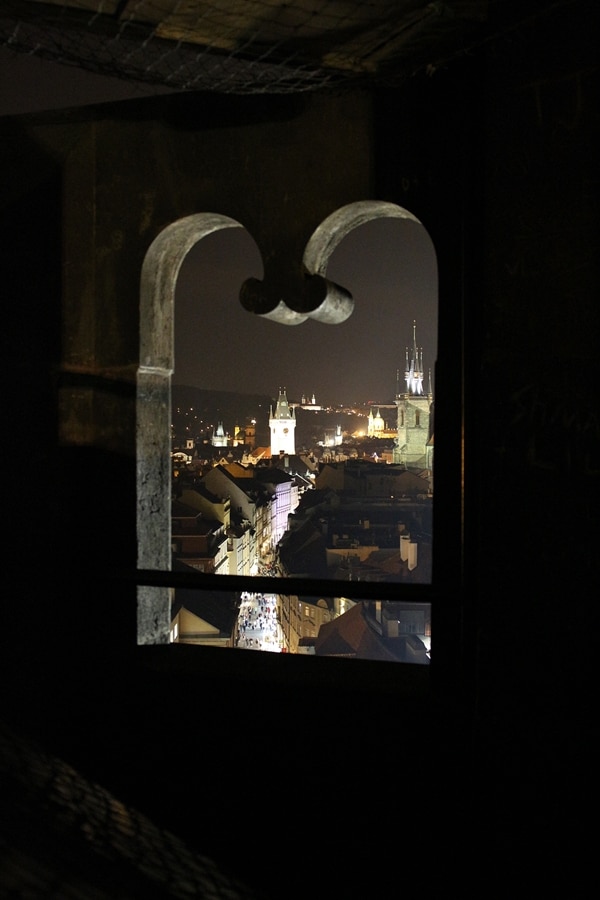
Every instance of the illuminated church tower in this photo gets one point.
(282, 423)
(413, 444)
(375, 424)
(219, 438)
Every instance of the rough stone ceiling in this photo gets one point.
(252, 46)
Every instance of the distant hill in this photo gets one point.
(231, 408)
(228, 407)
(236, 404)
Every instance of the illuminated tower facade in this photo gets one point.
(414, 403)
(219, 438)
(282, 422)
(375, 424)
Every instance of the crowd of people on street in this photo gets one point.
(257, 627)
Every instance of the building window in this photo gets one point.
(159, 281)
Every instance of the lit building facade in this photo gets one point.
(413, 438)
(282, 422)
(375, 426)
(219, 438)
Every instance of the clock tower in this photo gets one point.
(282, 423)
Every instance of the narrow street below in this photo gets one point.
(257, 625)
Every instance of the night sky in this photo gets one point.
(388, 266)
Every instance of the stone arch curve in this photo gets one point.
(319, 298)
(159, 279)
(325, 300)
(160, 269)
(332, 230)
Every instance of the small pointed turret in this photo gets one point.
(414, 368)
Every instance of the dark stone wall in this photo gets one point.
(535, 425)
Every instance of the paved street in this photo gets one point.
(257, 627)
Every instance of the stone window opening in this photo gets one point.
(324, 301)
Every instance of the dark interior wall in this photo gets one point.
(499, 162)
(503, 146)
(497, 157)
(30, 259)
(535, 410)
